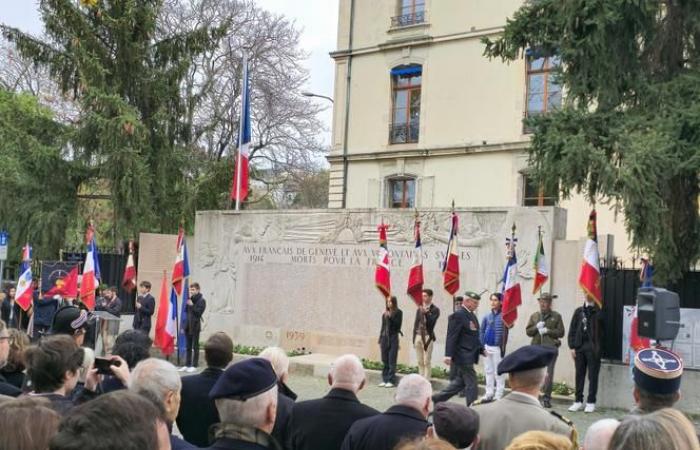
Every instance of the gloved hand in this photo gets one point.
(543, 331)
(540, 325)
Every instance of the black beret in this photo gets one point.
(245, 379)
(456, 423)
(68, 320)
(473, 295)
(526, 358)
(657, 370)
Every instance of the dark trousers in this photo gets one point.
(192, 349)
(587, 361)
(389, 346)
(549, 382)
(464, 380)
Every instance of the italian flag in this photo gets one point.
(589, 278)
(541, 270)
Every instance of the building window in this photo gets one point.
(543, 93)
(411, 12)
(402, 192)
(534, 194)
(405, 115)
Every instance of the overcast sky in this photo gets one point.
(318, 20)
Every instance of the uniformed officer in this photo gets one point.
(657, 380)
(246, 398)
(462, 349)
(520, 411)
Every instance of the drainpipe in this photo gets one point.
(348, 78)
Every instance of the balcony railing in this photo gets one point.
(408, 19)
(404, 133)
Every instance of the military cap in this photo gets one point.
(456, 423)
(526, 358)
(68, 320)
(657, 370)
(245, 379)
(473, 295)
(547, 296)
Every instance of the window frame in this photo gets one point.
(547, 71)
(410, 88)
(406, 16)
(542, 199)
(406, 199)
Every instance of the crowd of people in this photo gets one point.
(55, 393)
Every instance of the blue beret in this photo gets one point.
(245, 379)
(657, 370)
(526, 358)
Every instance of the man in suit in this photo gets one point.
(424, 332)
(197, 412)
(109, 302)
(520, 411)
(192, 326)
(462, 349)
(145, 306)
(405, 420)
(323, 423)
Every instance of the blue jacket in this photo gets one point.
(491, 332)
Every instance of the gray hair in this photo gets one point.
(278, 358)
(249, 413)
(533, 378)
(347, 372)
(413, 391)
(599, 434)
(156, 377)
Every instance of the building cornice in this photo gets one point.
(415, 41)
(517, 146)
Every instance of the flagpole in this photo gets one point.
(244, 100)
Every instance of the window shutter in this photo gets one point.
(424, 195)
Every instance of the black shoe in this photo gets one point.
(546, 404)
(461, 394)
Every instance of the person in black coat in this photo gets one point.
(423, 338)
(11, 313)
(44, 310)
(389, 341)
(405, 420)
(109, 302)
(197, 412)
(193, 325)
(285, 396)
(462, 350)
(585, 339)
(324, 422)
(145, 307)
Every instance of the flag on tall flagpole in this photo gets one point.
(382, 272)
(450, 265)
(67, 286)
(91, 270)
(239, 189)
(512, 297)
(165, 321)
(182, 332)
(25, 293)
(541, 269)
(646, 273)
(179, 267)
(129, 278)
(589, 277)
(415, 275)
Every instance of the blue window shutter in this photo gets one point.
(411, 70)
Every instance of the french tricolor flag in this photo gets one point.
(239, 189)
(589, 277)
(180, 268)
(24, 292)
(91, 270)
(512, 297)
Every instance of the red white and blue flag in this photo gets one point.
(450, 266)
(415, 275)
(589, 277)
(179, 267)
(511, 287)
(25, 293)
(91, 270)
(382, 272)
(239, 189)
(181, 336)
(646, 273)
(166, 320)
(129, 278)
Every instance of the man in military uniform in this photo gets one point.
(520, 411)
(657, 380)
(246, 398)
(546, 328)
(462, 349)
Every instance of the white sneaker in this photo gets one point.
(578, 406)
(389, 385)
(182, 369)
(486, 399)
(382, 384)
(191, 369)
(590, 407)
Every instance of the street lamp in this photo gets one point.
(311, 94)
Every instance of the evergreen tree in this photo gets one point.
(629, 131)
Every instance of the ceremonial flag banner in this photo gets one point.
(646, 273)
(91, 271)
(415, 275)
(179, 268)
(239, 190)
(165, 322)
(181, 336)
(129, 278)
(541, 270)
(511, 288)
(24, 293)
(66, 286)
(589, 278)
(382, 273)
(450, 266)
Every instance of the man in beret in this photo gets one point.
(456, 424)
(546, 327)
(462, 349)
(520, 411)
(657, 380)
(246, 398)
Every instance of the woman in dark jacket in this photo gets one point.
(389, 341)
(13, 371)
